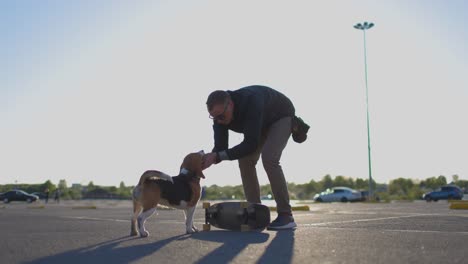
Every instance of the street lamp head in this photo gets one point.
(358, 26)
(364, 26)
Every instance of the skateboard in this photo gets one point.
(236, 216)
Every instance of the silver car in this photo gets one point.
(338, 194)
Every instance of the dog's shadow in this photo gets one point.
(232, 244)
(108, 252)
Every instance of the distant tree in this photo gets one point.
(265, 190)
(123, 191)
(75, 194)
(455, 178)
(62, 185)
(90, 187)
(47, 185)
(425, 184)
(400, 186)
(442, 180)
(298, 191)
(327, 182)
(313, 187)
(433, 182)
(342, 181)
(463, 184)
(238, 192)
(212, 192)
(404, 189)
(361, 184)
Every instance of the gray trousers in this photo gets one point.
(271, 147)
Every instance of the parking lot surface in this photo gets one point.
(98, 232)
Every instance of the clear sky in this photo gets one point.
(104, 90)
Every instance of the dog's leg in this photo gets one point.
(189, 213)
(142, 219)
(136, 193)
(136, 213)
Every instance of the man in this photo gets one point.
(264, 116)
(57, 196)
(46, 192)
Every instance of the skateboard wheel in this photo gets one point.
(245, 228)
(206, 205)
(206, 227)
(244, 205)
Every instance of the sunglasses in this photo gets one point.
(221, 116)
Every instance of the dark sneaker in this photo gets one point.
(283, 221)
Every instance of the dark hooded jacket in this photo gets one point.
(256, 108)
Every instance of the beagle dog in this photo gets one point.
(182, 192)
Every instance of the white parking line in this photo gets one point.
(393, 230)
(304, 225)
(319, 225)
(365, 220)
(197, 221)
(425, 231)
(95, 219)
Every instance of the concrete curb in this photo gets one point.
(85, 207)
(459, 205)
(294, 208)
(36, 207)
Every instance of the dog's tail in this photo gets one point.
(154, 174)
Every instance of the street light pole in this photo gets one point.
(366, 26)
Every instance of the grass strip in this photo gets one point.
(85, 207)
(459, 206)
(36, 207)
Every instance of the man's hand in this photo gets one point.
(208, 160)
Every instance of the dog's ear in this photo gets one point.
(185, 163)
(200, 174)
(199, 166)
(194, 162)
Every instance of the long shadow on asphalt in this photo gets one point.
(107, 252)
(280, 250)
(232, 244)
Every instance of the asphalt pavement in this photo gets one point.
(98, 232)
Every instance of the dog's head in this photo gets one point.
(193, 163)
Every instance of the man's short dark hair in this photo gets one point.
(217, 97)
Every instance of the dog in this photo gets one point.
(181, 192)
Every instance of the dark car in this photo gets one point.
(18, 195)
(447, 192)
(40, 195)
(365, 196)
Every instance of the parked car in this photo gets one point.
(41, 195)
(365, 196)
(18, 195)
(446, 192)
(338, 194)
